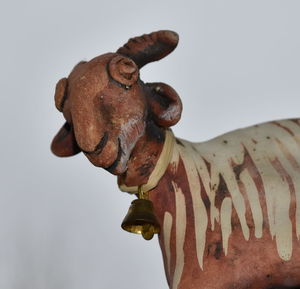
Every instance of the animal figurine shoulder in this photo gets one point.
(227, 210)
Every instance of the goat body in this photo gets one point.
(231, 206)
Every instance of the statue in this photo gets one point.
(227, 211)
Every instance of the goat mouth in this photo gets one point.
(99, 147)
(114, 165)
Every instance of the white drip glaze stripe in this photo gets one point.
(167, 226)
(180, 234)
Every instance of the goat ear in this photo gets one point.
(64, 143)
(60, 93)
(150, 47)
(165, 104)
(123, 70)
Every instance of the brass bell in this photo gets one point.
(140, 219)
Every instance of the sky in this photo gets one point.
(237, 64)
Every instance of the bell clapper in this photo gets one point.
(148, 232)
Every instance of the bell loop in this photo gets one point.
(142, 194)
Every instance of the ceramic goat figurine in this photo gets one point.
(228, 208)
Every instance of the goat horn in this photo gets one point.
(150, 47)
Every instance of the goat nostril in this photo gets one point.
(102, 143)
(99, 147)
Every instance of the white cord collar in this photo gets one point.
(160, 167)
